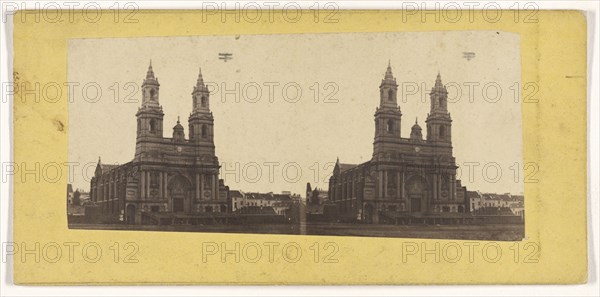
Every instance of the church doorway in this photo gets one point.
(131, 214)
(415, 204)
(179, 190)
(417, 194)
(178, 205)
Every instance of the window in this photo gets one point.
(191, 131)
(151, 94)
(203, 101)
(391, 95)
(208, 209)
(390, 126)
(152, 126)
(442, 131)
(204, 131)
(441, 102)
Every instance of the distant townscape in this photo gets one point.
(174, 181)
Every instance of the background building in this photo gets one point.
(246, 203)
(316, 200)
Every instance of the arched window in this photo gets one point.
(191, 131)
(204, 131)
(441, 102)
(442, 131)
(151, 94)
(203, 101)
(152, 126)
(391, 95)
(195, 101)
(390, 126)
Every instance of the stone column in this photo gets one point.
(213, 186)
(453, 188)
(202, 186)
(435, 184)
(380, 183)
(398, 185)
(403, 185)
(143, 184)
(165, 186)
(385, 184)
(197, 186)
(148, 185)
(217, 186)
(439, 186)
(160, 186)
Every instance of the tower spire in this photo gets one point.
(388, 73)
(438, 81)
(200, 80)
(150, 72)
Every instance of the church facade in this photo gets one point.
(168, 175)
(407, 177)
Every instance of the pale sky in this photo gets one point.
(304, 134)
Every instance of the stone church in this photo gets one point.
(407, 178)
(168, 175)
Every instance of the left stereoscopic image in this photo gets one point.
(349, 134)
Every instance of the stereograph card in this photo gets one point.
(347, 147)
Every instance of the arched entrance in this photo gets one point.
(417, 194)
(131, 214)
(179, 194)
(369, 214)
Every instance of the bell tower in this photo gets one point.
(150, 114)
(439, 123)
(387, 115)
(201, 120)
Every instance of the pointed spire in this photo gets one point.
(438, 80)
(337, 161)
(99, 160)
(177, 119)
(388, 72)
(200, 81)
(150, 73)
(417, 121)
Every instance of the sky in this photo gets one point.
(286, 106)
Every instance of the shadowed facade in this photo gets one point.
(166, 175)
(406, 177)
